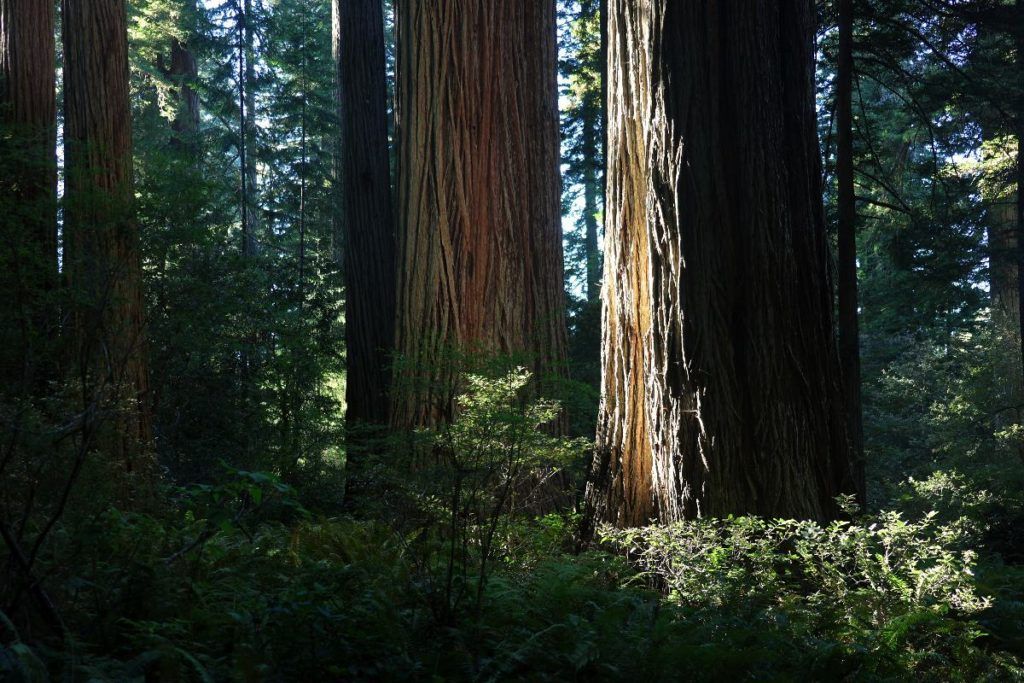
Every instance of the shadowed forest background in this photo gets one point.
(511, 340)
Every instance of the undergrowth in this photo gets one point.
(239, 581)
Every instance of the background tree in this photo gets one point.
(582, 78)
(849, 334)
(367, 216)
(721, 390)
(582, 70)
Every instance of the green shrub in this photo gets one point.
(871, 599)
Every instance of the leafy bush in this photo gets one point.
(872, 599)
(497, 460)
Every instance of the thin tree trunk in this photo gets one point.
(28, 186)
(302, 209)
(302, 181)
(478, 191)
(1004, 289)
(337, 194)
(246, 128)
(1002, 249)
(1019, 125)
(590, 190)
(367, 212)
(591, 129)
(252, 227)
(101, 245)
(849, 334)
(721, 386)
(183, 71)
(243, 134)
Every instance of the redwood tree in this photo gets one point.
(849, 329)
(366, 212)
(101, 239)
(28, 185)
(480, 258)
(184, 72)
(721, 383)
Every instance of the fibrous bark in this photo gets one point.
(480, 258)
(721, 387)
(101, 240)
(28, 185)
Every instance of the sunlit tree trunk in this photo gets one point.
(101, 239)
(28, 185)
(721, 385)
(480, 258)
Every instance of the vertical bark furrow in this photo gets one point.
(622, 491)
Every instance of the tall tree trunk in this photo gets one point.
(721, 390)
(478, 189)
(246, 128)
(591, 124)
(337, 194)
(367, 214)
(28, 186)
(101, 239)
(849, 333)
(1002, 251)
(590, 193)
(252, 181)
(1019, 125)
(1004, 292)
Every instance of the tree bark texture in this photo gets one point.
(849, 332)
(721, 386)
(101, 240)
(28, 187)
(480, 257)
(367, 213)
